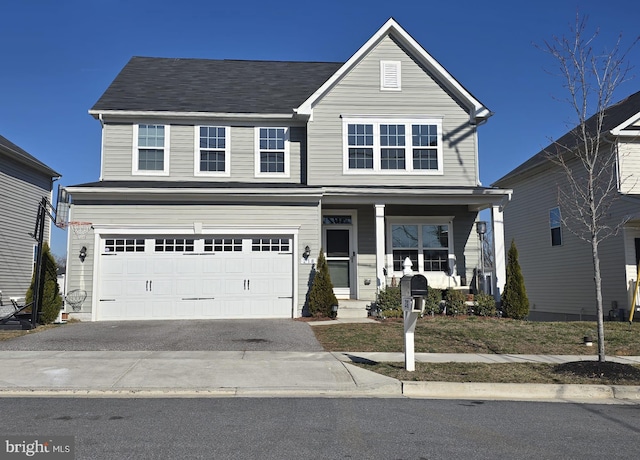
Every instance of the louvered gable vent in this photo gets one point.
(390, 75)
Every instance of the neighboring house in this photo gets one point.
(556, 265)
(23, 182)
(222, 180)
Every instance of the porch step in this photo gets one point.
(352, 308)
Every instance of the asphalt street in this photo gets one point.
(339, 428)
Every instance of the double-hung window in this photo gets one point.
(151, 149)
(212, 151)
(427, 245)
(272, 152)
(555, 222)
(392, 146)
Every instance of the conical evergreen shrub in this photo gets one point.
(51, 298)
(514, 297)
(321, 296)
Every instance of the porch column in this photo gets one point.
(380, 252)
(497, 224)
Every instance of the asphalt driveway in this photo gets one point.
(192, 335)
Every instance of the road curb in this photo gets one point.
(519, 391)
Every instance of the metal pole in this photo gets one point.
(38, 284)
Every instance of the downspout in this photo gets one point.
(101, 146)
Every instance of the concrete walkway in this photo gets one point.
(268, 374)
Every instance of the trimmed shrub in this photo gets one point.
(485, 305)
(321, 296)
(454, 301)
(514, 297)
(432, 302)
(389, 302)
(51, 298)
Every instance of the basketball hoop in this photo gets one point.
(80, 229)
(75, 298)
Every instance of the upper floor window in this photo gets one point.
(555, 221)
(212, 153)
(392, 146)
(390, 75)
(272, 152)
(151, 152)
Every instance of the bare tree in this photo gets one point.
(586, 157)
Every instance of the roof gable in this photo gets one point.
(619, 119)
(391, 28)
(12, 150)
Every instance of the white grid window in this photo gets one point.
(123, 245)
(151, 149)
(174, 245)
(272, 152)
(427, 245)
(212, 151)
(392, 146)
(223, 245)
(270, 245)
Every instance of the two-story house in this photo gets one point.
(557, 266)
(24, 180)
(221, 181)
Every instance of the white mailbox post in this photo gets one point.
(413, 289)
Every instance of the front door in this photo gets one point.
(340, 253)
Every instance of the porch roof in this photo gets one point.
(476, 198)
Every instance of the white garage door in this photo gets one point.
(189, 278)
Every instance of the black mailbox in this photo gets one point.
(418, 286)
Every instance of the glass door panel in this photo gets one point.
(338, 250)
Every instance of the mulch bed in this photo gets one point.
(598, 370)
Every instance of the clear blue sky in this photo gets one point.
(57, 57)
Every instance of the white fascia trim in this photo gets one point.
(617, 131)
(420, 192)
(391, 26)
(197, 115)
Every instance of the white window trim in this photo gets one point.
(377, 166)
(256, 141)
(384, 83)
(395, 220)
(167, 142)
(227, 153)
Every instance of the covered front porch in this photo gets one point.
(366, 234)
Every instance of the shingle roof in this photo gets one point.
(614, 116)
(219, 86)
(17, 153)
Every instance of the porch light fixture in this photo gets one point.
(306, 253)
(83, 253)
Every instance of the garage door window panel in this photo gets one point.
(123, 245)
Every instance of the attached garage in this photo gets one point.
(195, 277)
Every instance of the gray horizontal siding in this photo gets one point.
(306, 217)
(559, 279)
(22, 190)
(118, 151)
(629, 154)
(359, 94)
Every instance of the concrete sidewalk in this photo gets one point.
(268, 374)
